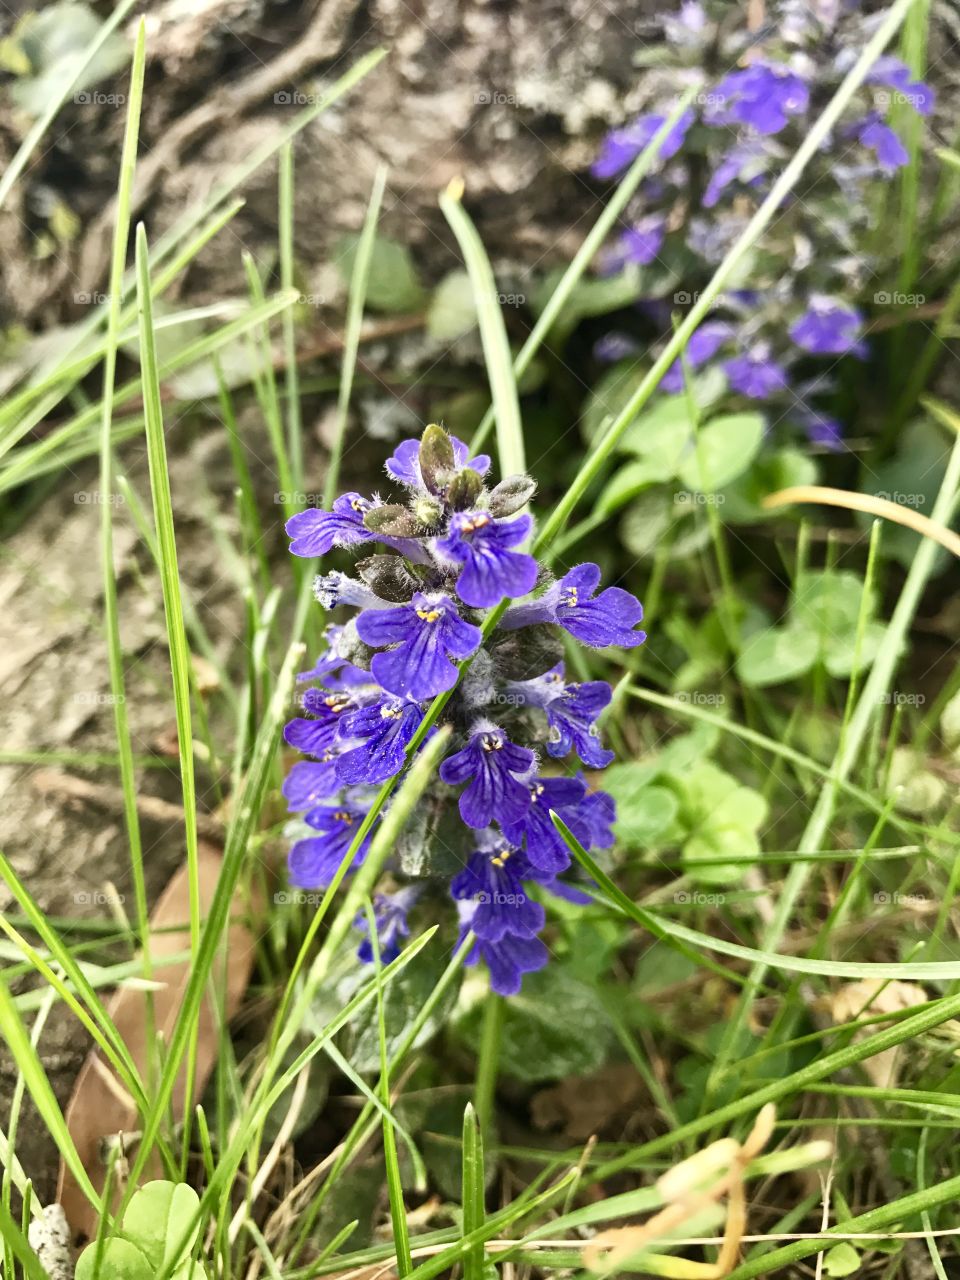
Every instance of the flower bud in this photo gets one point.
(393, 520)
(428, 510)
(437, 462)
(511, 494)
(464, 490)
(388, 577)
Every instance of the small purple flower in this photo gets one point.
(390, 918)
(745, 162)
(755, 373)
(490, 763)
(829, 327)
(315, 532)
(309, 781)
(622, 146)
(385, 729)
(598, 620)
(895, 74)
(546, 849)
(704, 343)
(314, 736)
(762, 96)
(572, 717)
(597, 814)
(508, 960)
(821, 429)
(493, 880)
(490, 569)
(426, 633)
(404, 465)
(640, 244)
(334, 589)
(880, 138)
(314, 861)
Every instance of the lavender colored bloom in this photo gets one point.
(333, 589)
(384, 729)
(494, 882)
(390, 912)
(880, 138)
(895, 74)
(311, 780)
(314, 736)
(821, 429)
(598, 620)
(755, 373)
(597, 814)
(744, 162)
(572, 717)
(704, 343)
(426, 633)
(546, 849)
(314, 861)
(829, 327)
(762, 96)
(316, 532)
(508, 960)
(490, 570)
(622, 146)
(490, 763)
(640, 243)
(404, 465)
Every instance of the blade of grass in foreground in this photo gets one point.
(177, 643)
(359, 280)
(472, 1192)
(13, 1032)
(242, 825)
(493, 334)
(604, 449)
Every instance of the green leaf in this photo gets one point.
(402, 1000)
(841, 1260)
(643, 812)
(632, 480)
(452, 310)
(775, 655)
(393, 284)
(120, 1260)
(158, 1218)
(554, 1028)
(725, 449)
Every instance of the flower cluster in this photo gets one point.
(435, 567)
(760, 91)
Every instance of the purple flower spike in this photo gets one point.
(385, 729)
(315, 532)
(490, 569)
(427, 633)
(404, 465)
(762, 96)
(755, 373)
(494, 882)
(309, 781)
(314, 861)
(490, 763)
(390, 918)
(598, 620)
(546, 849)
(829, 327)
(572, 718)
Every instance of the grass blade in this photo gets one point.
(472, 1194)
(493, 333)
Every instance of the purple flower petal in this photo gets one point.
(490, 763)
(427, 633)
(316, 532)
(490, 570)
